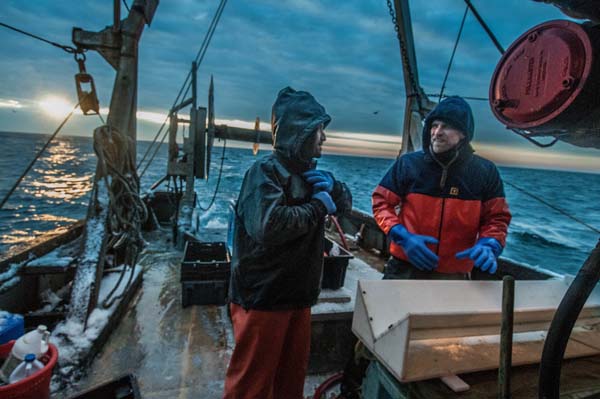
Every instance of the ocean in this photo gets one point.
(56, 193)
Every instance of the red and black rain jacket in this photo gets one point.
(470, 205)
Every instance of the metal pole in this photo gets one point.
(194, 84)
(506, 336)
(116, 15)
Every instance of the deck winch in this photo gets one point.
(546, 83)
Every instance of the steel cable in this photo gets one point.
(462, 24)
(212, 201)
(68, 49)
(557, 209)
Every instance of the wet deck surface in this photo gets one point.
(174, 352)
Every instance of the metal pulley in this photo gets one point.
(86, 89)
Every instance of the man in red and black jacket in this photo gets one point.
(443, 208)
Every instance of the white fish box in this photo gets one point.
(427, 329)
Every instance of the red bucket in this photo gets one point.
(36, 386)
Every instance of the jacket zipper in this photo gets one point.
(437, 252)
(443, 179)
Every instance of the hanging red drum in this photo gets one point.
(548, 83)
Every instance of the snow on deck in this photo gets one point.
(53, 258)
(73, 342)
(10, 277)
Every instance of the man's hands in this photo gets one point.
(484, 254)
(415, 247)
(326, 200)
(322, 184)
(321, 181)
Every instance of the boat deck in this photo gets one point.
(178, 352)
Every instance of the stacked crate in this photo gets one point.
(205, 272)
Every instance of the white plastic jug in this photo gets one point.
(35, 342)
(28, 367)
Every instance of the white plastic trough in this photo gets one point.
(426, 329)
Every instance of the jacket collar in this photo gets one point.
(294, 165)
(465, 152)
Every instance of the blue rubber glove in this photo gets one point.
(483, 254)
(414, 247)
(326, 200)
(321, 181)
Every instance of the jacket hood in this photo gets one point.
(456, 112)
(294, 118)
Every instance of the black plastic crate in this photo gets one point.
(212, 292)
(334, 266)
(164, 205)
(205, 261)
(125, 387)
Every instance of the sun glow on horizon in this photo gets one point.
(55, 107)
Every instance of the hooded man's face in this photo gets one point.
(444, 137)
(313, 146)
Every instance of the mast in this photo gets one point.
(114, 144)
(417, 104)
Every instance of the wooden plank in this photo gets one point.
(41, 270)
(455, 383)
(334, 296)
(437, 357)
(46, 243)
(454, 326)
(86, 283)
(492, 329)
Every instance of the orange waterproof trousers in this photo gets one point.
(270, 357)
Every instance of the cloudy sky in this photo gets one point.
(344, 52)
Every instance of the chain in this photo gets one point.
(404, 52)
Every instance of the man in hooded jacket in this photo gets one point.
(443, 207)
(278, 253)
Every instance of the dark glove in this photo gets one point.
(326, 200)
(321, 181)
(483, 254)
(414, 247)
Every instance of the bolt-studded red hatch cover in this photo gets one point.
(541, 74)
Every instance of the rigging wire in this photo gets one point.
(68, 49)
(465, 97)
(126, 5)
(553, 207)
(212, 201)
(154, 154)
(186, 85)
(462, 24)
(485, 27)
(39, 153)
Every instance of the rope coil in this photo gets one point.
(127, 210)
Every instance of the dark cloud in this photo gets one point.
(346, 53)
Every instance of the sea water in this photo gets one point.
(56, 193)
